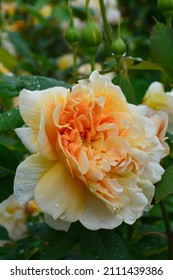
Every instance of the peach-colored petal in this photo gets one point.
(60, 195)
(83, 161)
(45, 147)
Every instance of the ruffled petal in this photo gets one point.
(153, 172)
(31, 103)
(114, 98)
(27, 176)
(60, 195)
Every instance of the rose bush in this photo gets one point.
(94, 157)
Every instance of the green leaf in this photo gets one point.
(146, 65)
(10, 120)
(161, 47)
(59, 242)
(7, 58)
(11, 86)
(8, 165)
(126, 88)
(103, 245)
(6, 187)
(8, 160)
(164, 187)
(3, 234)
(21, 46)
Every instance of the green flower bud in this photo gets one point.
(72, 35)
(91, 35)
(165, 5)
(118, 47)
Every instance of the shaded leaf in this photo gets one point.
(58, 243)
(6, 187)
(103, 245)
(146, 65)
(8, 165)
(21, 46)
(126, 87)
(161, 47)
(10, 120)
(165, 186)
(3, 234)
(8, 160)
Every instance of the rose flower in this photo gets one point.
(94, 157)
(158, 99)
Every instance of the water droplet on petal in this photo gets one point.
(57, 204)
(62, 217)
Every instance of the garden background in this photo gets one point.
(34, 54)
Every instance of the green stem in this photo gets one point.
(87, 9)
(75, 63)
(168, 229)
(92, 62)
(118, 60)
(105, 21)
(169, 22)
(70, 9)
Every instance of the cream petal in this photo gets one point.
(155, 88)
(27, 176)
(97, 215)
(27, 100)
(114, 97)
(153, 172)
(129, 215)
(28, 136)
(56, 224)
(148, 190)
(36, 100)
(60, 195)
(45, 147)
(156, 151)
(149, 126)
